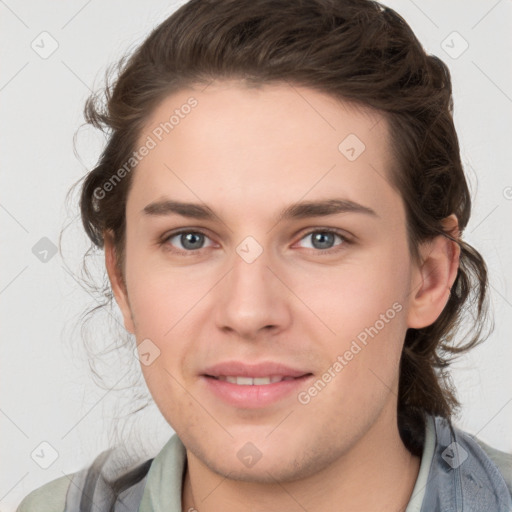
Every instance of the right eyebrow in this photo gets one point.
(170, 207)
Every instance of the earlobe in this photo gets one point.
(117, 283)
(434, 276)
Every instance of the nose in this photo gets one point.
(252, 299)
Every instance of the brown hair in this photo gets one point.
(354, 50)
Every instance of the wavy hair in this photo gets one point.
(354, 50)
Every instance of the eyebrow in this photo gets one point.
(300, 210)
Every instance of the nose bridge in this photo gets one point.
(250, 269)
(250, 279)
(252, 297)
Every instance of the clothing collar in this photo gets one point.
(162, 492)
(418, 492)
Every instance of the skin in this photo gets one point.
(247, 153)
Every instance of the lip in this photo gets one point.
(264, 369)
(254, 396)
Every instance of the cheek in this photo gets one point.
(354, 296)
(161, 298)
(365, 308)
(165, 304)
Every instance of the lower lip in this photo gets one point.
(254, 396)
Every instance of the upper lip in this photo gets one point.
(264, 369)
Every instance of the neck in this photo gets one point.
(378, 474)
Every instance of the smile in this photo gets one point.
(256, 381)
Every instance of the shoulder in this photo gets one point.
(481, 461)
(99, 486)
(59, 494)
(502, 460)
(50, 497)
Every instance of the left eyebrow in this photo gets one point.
(324, 208)
(301, 210)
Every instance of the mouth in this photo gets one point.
(255, 381)
(243, 392)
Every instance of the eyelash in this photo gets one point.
(334, 250)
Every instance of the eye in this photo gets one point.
(190, 241)
(323, 240)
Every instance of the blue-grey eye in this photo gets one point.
(189, 240)
(192, 240)
(322, 240)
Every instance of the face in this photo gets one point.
(322, 294)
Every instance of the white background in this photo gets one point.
(47, 392)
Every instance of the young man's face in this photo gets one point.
(257, 289)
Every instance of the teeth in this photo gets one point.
(249, 381)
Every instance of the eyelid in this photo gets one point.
(346, 239)
(167, 236)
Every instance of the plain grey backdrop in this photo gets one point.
(54, 419)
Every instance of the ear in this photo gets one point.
(117, 282)
(434, 276)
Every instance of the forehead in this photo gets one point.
(260, 146)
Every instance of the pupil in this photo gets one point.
(188, 239)
(319, 237)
